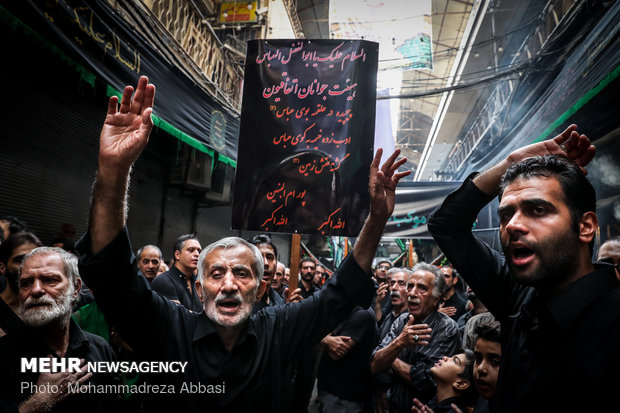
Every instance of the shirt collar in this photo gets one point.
(179, 274)
(205, 328)
(566, 306)
(77, 338)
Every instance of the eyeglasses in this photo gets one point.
(384, 267)
(610, 262)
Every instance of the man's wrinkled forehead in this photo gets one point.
(237, 254)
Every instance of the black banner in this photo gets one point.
(306, 136)
(119, 55)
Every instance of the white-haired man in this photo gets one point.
(238, 359)
(49, 284)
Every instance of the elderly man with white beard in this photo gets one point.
(49, 284)
(235, 360)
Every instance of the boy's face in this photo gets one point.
(487, 358)
(447, 369)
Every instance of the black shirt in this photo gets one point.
(250, 375)
(349, 378)
(457, 302)
(172, 284)
(29, 343)
(558, 353)
(274, 299)
(9, 321)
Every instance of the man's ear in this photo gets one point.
(461, 384)
(587, 227)
(177, 255)
(2, 268)
(261, 289)
(199, 289)
(78, 288)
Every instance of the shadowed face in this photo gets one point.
(269, 258)
(278, 277)
(487, 359)
(610, 253)
(398, 289)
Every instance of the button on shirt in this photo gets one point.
(250, 376)
(559, 353)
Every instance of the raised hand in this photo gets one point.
(382, 183)
(126, 130)
(570, 143)
(124, 135)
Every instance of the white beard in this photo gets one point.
(57, 310)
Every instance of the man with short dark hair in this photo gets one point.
(452, 304)
(178, 283)
(559, 312)
(416, 340)
(149, 259)
(268, 249)
(382, 301)
(320, 275)
(49, 283)
(307, 267)
(239, 355)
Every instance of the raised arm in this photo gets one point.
(382, 187)
(570, 143)
(124, 135)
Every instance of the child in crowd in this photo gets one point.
(487, 358)
(455, 385)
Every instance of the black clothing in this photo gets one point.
(172, 284)
(274, 299)
(28, 343)
(307, 293)
(349, 378)
(304, 368)
(250, 375)
(9, 321)
(445, 406)
(386, 323)
(457, 302)
(558, 353)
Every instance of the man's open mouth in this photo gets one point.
(228, 305)
(521, 255)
